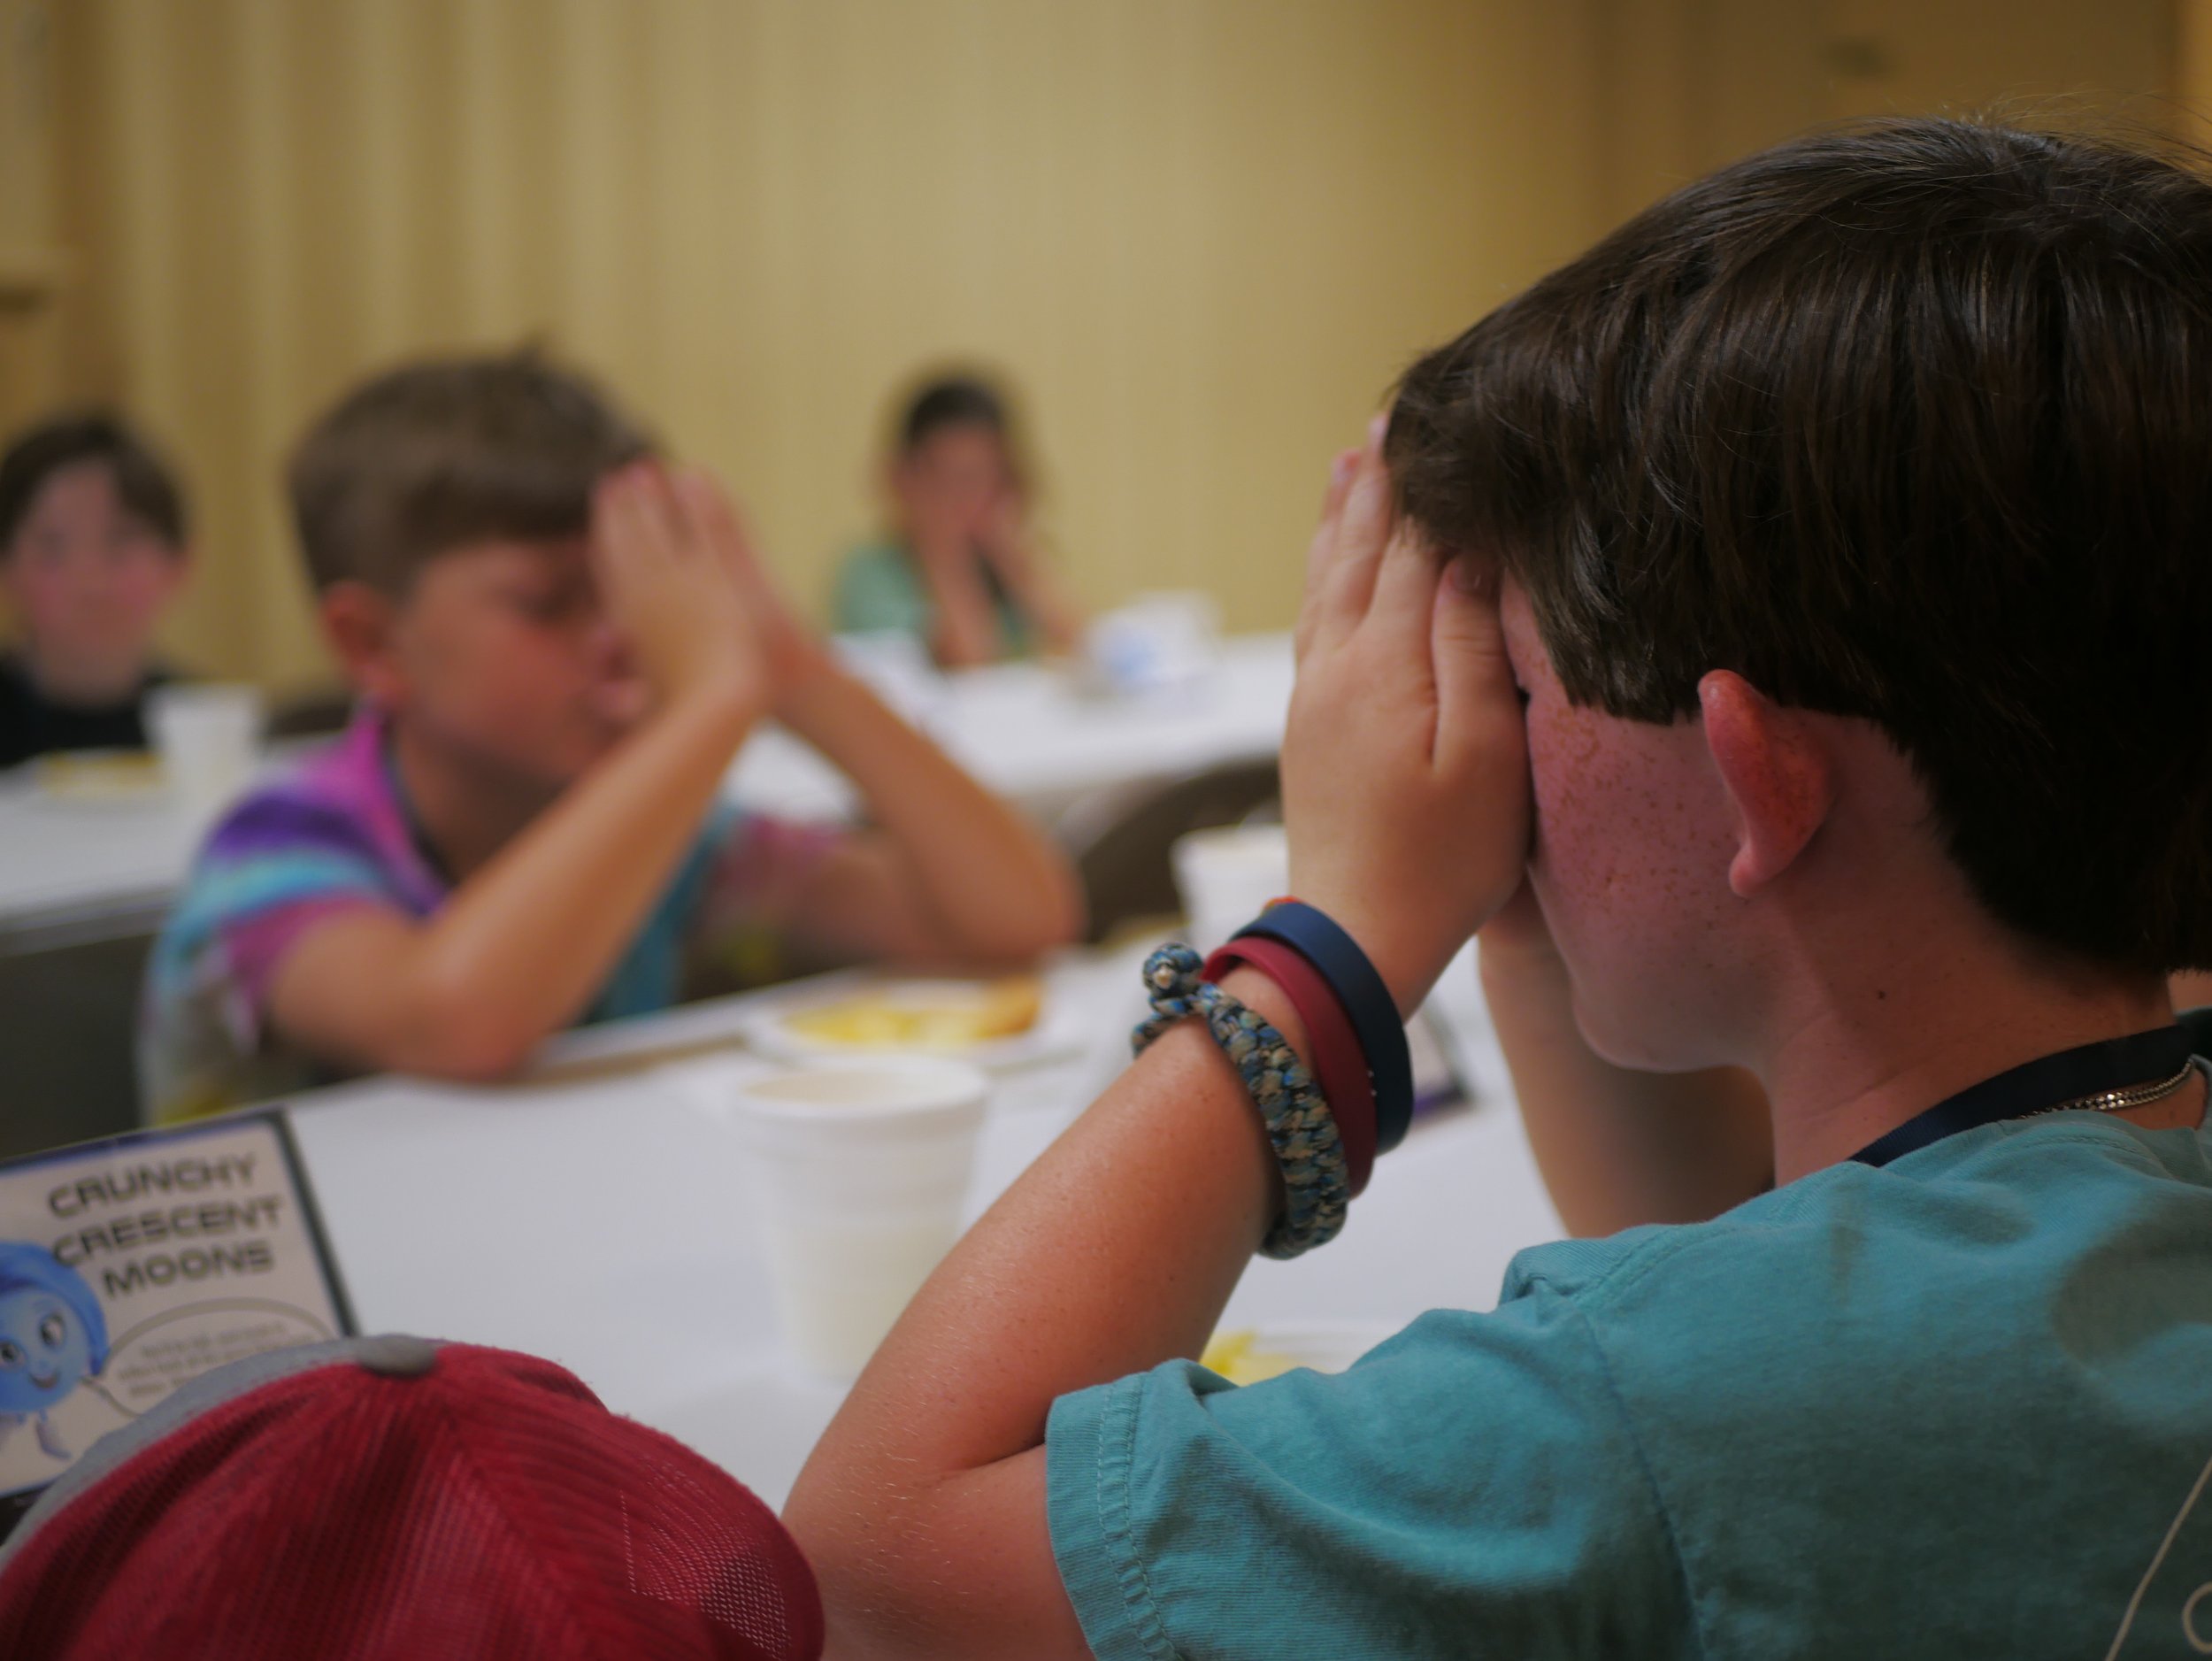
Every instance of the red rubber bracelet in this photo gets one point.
(1339, 1063)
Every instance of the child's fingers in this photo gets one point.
(661, 506)
(1342, 471)
(718, 521)
(1476, 701)
(1404, 597)
(1342, 588)
(694, 496)
(627, 531)
(1322, 549)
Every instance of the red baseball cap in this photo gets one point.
(376, 1498)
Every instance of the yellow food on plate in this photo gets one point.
(98, 775)
(1238, 1358)
(948, 1015)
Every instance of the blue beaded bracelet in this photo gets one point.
(1367, 1003)
(1302, 1131)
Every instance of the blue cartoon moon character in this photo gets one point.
(52, 1336)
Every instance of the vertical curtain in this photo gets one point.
(1201, 236)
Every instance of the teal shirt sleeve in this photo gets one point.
(1470, 1487)
(877, 591)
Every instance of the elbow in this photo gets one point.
(868, 1609)
(469, 1040)
(846, 1566)
(1050, 918)
(480, 1059)
(473, 1053)
(1061, 913)
(1056, 920)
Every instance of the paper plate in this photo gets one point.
(882, 1015)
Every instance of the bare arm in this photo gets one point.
(963, 626)
(953, 871)
(1616, 1147)
(527, 940)
(1058, 621)
(923, 1508)
(1007, 543)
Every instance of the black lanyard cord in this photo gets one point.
(2045, 1083)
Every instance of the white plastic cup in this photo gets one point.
(209, 738)
(860, 1172)
(1225, 876)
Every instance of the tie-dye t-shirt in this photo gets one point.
(335, 834)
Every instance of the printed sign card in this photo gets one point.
(130, 1266)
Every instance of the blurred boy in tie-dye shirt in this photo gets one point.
(559, 645)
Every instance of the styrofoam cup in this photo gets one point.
(1225, 876)
(209, 738)
(860, 1172)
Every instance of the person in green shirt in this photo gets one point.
(959, 568)
(1775, 634)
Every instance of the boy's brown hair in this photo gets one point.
(432, 455)
(1912, 423)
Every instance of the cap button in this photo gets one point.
(397, 1356)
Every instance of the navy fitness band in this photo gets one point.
(1367, 1001)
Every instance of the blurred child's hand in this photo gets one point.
(1003, 536)
(688, 591)
(791, 651)
(667, 573)
(944, 521)
(1405, 767)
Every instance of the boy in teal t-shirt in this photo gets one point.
(1824, 1424)
(1777, 633)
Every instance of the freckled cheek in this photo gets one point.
(1614, 853)
(1575, 807)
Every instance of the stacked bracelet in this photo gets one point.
(1299, 1125)
(1333, 1043)
(1366, 1001)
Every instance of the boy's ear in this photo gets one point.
(357, 622)
(1777, 775)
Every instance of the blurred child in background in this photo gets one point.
(959, 568)
(93, 547)
(560, 642)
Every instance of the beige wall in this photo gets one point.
(1695, 83)
(1202, 235)
(2192, 63)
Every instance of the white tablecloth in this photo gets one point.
(603, 1220)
